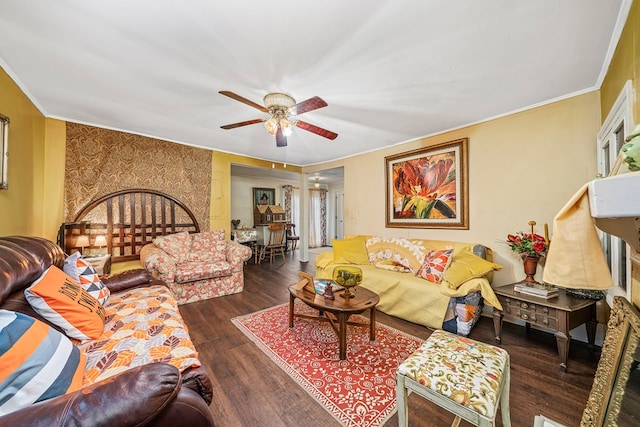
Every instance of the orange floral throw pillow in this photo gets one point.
(63, 302)
(434, 265)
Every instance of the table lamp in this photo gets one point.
(101, 242)
(82, 242)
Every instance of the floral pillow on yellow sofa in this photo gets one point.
(391, 265)
(435, 265)
(403, 251)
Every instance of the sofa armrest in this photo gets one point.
(187, 409)
(132, 398)
(128, 279)
(197, 379)
(237, 254)
(324, 259)
(159, 262)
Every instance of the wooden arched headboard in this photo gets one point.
(129, 219)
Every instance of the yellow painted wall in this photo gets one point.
(625, 65)
(52, 206)
(521, 167)
(220, 212)
(220, 208)
(31, 205)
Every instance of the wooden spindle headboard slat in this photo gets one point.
(120, 221)
(163, 217)
(141, 217)
(173, 216)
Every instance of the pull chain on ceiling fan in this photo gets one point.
(282, 107)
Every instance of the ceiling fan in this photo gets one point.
(282, 109)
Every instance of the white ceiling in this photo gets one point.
(391, 71)
(325, 177)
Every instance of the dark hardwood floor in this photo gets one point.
(250, 390)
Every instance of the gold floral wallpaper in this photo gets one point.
(101, 161)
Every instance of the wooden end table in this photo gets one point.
(337, 311)
(560, 314)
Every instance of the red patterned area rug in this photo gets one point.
(359, 391)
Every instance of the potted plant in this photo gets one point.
(531, 247)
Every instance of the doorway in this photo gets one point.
(339, 215)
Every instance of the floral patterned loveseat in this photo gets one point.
(197, 266)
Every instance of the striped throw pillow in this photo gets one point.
(87, 276)
(60, 300)
(36, 362)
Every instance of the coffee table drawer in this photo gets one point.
(529, 312)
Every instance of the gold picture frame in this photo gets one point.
(620, 356)
(308, 281)
(264, 196)
(428, 187)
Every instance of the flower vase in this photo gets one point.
(530, 267)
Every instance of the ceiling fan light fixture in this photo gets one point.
(278, 100)
(317, 183)
(286, 127)
(281, 107)
(271, 125)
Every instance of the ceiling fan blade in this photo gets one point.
(317, 130)
(308, 105)
(281, 139)
(243, 100)
(239, 124)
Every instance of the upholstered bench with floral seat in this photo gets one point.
(466, 377)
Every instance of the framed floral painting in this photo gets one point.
(428, 188)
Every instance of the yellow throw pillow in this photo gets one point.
(350, 251)
(465, 266)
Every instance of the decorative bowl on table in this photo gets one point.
(347, 277)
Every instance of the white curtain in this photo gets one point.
(315, 219)
(295, 209)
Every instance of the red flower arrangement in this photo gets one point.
(528, 244)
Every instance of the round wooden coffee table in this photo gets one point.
(337, 311)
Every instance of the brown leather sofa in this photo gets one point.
(156, 394)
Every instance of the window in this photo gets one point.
(616, 127)
(315, 218)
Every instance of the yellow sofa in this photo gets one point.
(453, 304)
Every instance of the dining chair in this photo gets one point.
(291, 236)
(276, 243)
